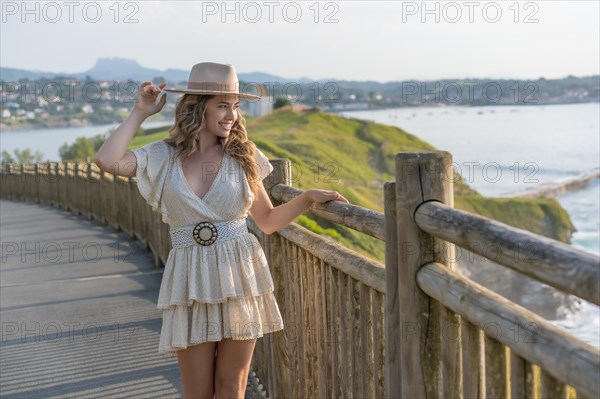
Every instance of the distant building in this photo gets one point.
(87, 109)
(29, 98)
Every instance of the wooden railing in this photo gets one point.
(356, 328)
(332, 301)
(451, 337)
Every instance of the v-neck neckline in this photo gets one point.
(187, 184)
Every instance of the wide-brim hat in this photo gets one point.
(212, 78)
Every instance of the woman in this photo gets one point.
(216, 292)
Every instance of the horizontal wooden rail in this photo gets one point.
(531, 336)
(550, 261)
(356, 217)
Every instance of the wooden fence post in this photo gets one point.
(36, 179)
(58, 184)
(275, 344)
(77, 188)
(114, 210)
(50, 181)
(430, 360)
(88, 192)
(103, 197)
(23, 183)
(392, 366)
(66, 203)
(130, 207)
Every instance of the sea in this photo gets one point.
(49, 140)
(504, 150)
(499, 151)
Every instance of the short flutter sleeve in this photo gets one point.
(264, 166)
(264, 169)
(153, 166)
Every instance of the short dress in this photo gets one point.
(216, 291)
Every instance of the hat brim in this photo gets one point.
(210, 92)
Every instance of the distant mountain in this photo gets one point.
(14, 74)
(262, 77)
(104, 69)
(124, 69)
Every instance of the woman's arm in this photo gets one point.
(113, 155)
(270, 219)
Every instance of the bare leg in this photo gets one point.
(197, 366)
(233, 365)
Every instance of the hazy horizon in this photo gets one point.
(327, 78)
(351, 40)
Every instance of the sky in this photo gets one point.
(353, 40)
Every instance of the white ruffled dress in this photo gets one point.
(207, 293)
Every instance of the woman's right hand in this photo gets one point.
(147, 97)
(318, 196)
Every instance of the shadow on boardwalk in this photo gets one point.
(78, 310)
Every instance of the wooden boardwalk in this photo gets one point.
(78, 310)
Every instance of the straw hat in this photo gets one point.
(212, 78)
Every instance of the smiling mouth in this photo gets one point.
(226, 126)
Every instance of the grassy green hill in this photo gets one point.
(356, 157)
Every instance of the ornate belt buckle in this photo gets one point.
(205, 233)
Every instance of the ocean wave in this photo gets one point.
(585, 235)
(583, 323)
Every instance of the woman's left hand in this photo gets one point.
(320, 196)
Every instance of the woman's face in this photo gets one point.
(221, 114)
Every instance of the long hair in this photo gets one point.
(190, 120)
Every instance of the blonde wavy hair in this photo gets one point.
(190, 120)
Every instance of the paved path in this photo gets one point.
(78, 310)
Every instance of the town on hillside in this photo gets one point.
(68, 101)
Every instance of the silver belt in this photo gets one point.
(206, 233)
